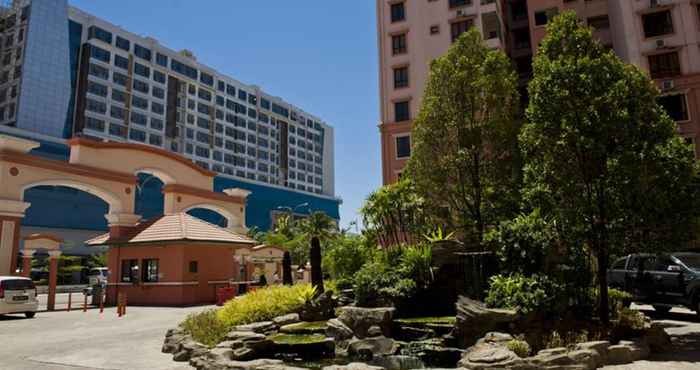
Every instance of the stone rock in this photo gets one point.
(410, 333)
(491, 351)
(306, 349)
(360, 319)
(318, 327)
(587, 357)
(374, 331)
(353, 366)
(337, 330)
(398, 362)
(244, 335)
(496, 337)
(433, 352)
(601, 347)
(171, 344)
(377, 346)
(189, 349)
(619, 354)
(552, 351)
(243, 354)
(181, 356)
(320, 308)
(283, 320)
(258, 327)
(638, 348)
(657, 338)
(542, 361)
(220, 354)
(474, 320)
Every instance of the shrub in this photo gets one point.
(569, 340)
(519, 346)
(345, 256)
(376, 284)
(537, 293)
(416, 264)
(617, 300)
(264, 304)
(205, 327)
(629, 318)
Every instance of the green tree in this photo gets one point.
(395, 214)
(463, 159)
(601, 156)
(317, 227)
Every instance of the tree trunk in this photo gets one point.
(316, 271)
(603, 307)
(287, 269)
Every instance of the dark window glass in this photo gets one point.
(162, 60)
(120, 79)
(100, 54)
(400, 77)
(158, 76)
(265, 103)
(221, 86)
(97, 89)
(123, 44)
(403, 147)
(137, 135)
(142, 70)
(95, 32)
(230, 90)
(121, 62)
(458, 28)
(676, 106)
(117, 130)
(402, 111)
(456, 3)
(156, 140)
(600, 23)
(242, 95)
(183, 69)
(664, 65)
(398, 44)
(657, 24)
(129, 270)
(142, 52)
(398, 12)
(204, 94)
(141, 86)
(158, 92)
(206, 78)
(99, 71)
(543, 17)
(193, 267)
(150, 270)
(119, 96)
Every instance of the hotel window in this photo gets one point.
(398, 44)
(95, 32)
(193, 267)
(121, 62)
(123, 44)
(150, 271)
(657, 24)
(402, 111)
(458, 28)
(403, 147)
(599, 23)
(456, 3)
(141, 86)
(117, 130)
(398, 12)
(206, 78)
(116, 112)
(119, 78)
(676, 106)
(137, 135)
(400, 77)
(142, 52)
(139, 119)
(491, 25)
(542, 17)
(664, 65)
(142, 70)
(158, 92)
(95, 124)
(96, 106)
(139, 102)
(161, 60)
(100, 54)
(97, 89)
(156, 140)
(129, 269)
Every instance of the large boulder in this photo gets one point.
(173, 339)
(360, 319)
(433, 352)
(189, 349)
(337, 330)
(320, 308)
(287, 319)
(368, 348)
(474, 320)
(262, 327)
(247, 345)
(491, 352)
(601, 347)
(397, 362)
(304, 327)
(657, 338)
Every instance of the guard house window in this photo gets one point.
(664, 65)
(398, 44)
(402, 111)
(458, 28)
(542, 17)
(398, 12)
(193, 267)
(676, 106)
(150, 271)
(129, 267)
(400, 77)
(456, 3)
(657, 23)
(403, 147)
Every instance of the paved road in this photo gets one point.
(684, 328)
(77, 340)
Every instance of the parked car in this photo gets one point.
(663, 280)
(98, 275)
(18, 295)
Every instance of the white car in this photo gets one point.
(98, 275)
(18, 295)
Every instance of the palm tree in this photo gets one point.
(316, 227)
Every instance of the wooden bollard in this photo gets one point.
(102, 304)
(124, 305)
(84, 302)
(119, 304)
(70, 298)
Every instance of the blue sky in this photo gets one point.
(318, 54)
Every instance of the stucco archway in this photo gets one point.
(231, 219)
(115, 204)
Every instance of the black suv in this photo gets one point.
(663, 280)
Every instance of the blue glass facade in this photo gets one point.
(66, 208)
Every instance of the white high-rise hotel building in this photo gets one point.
(95, 79)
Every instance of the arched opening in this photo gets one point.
(210, 214)
(149, 199)
(64, 207)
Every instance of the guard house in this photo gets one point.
(173, 260)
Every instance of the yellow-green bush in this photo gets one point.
(519, 346)
(264, 304)
(205, 327)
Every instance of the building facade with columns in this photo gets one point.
(661, 37)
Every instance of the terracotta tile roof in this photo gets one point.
(176, 227)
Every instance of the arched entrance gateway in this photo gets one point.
(109, 171)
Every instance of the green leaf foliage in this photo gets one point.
(526, 294)
(464, 155)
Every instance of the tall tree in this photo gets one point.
(317, 227)
(465, 137)
(601, 155)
